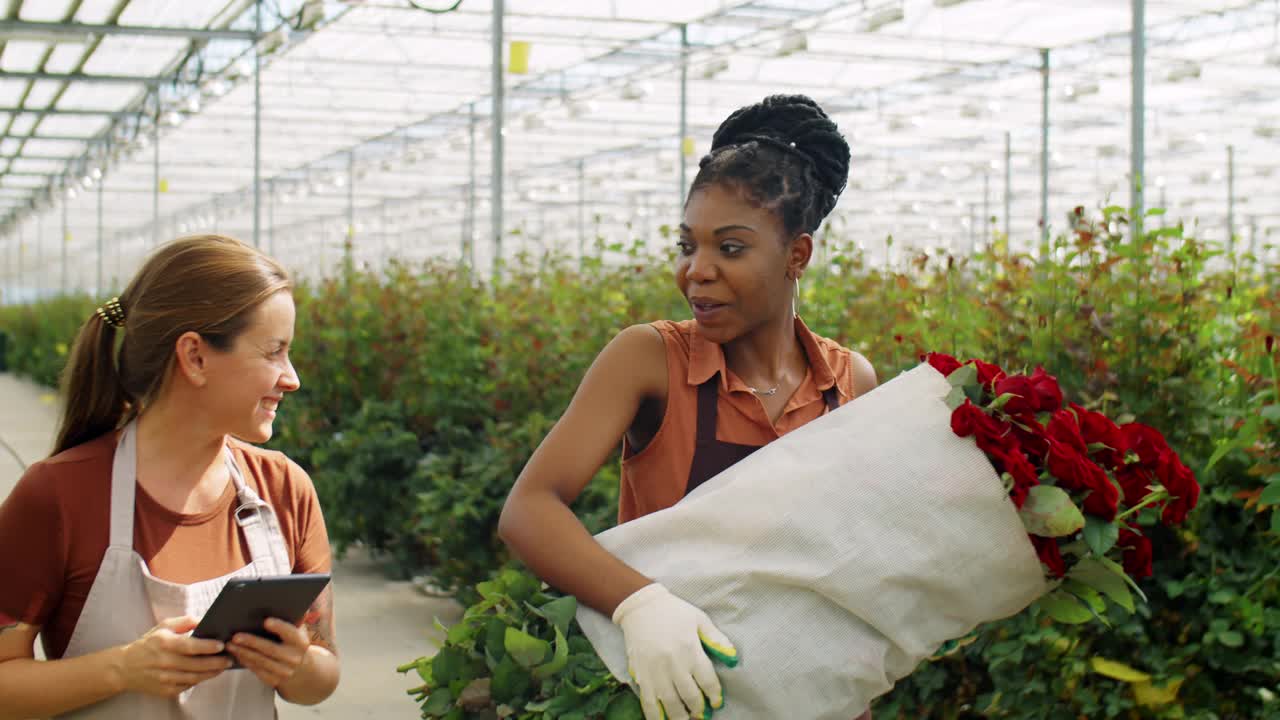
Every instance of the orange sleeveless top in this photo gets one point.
(656, 477)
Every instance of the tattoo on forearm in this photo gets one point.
(321, 628)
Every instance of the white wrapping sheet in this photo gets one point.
(839, 556)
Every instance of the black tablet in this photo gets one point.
(244, 605)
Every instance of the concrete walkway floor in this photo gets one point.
(381, 623)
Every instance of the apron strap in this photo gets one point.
(124, 468)
(832, 396)
(260, 527)
(708, 411)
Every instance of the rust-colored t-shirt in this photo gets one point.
(55, 528)
(656, 477)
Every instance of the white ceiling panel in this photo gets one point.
(23, 55)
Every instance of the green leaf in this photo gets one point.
(1003, 400)
(447, 666)
(424, 671)
(1270, 494)
(520, 586)
(438, 703)
(558, 660)
(1086, 594)
(1099, 577)
(559, 612)
(963, 375)
(1115, 567)
(459, 634)
(955, 398)
(626, 706)
(1271, 412)
(495, 633)
(1100, 534)
(1064, 608)
(1153, 212)
(524, 648)
(510, 682)
(974, 393)
(1222, 597)
(1275, 521)
(1049, 512)
(1231, 639)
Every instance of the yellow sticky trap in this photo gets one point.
(518, 61)
(686, 146)
(164, 185)
(66, 238)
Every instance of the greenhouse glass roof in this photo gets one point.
(129, 122)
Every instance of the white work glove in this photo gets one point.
(665, 637)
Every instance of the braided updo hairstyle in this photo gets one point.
(785, 154)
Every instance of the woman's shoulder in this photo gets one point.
(850, 367)
(73, 469)
(274, 470)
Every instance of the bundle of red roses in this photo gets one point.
(1078, 479)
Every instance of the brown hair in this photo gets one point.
(207, 284)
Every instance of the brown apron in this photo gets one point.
(712, 457)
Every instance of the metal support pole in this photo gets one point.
(684, 110)
(348, 246)
(98, 289)
(471, 193)
(495, 203)
(257, 128)
(582, 210)
(986, 207)
(66, 239)
(39, 274)
(1231, 198)
(973, 228)
(271, 217)
(1137, 150)
(1044, 155)
(1008, 180)
(155, 181)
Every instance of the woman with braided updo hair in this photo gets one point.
(690, 398)
(154, 499)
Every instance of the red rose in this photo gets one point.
(1045, 390)
(1098, 428)
(1135, 481)
(1077, 472)
(1023, 474)
(1031, 436)
(1182, 486)
(995, 436)
(942, 362)
(1146, 441)
(966, 418)
(1137, 553)
(1023, 391)
(988, 373)
(1050, 555)
(1064, 428)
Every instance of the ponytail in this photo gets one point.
(94, 396)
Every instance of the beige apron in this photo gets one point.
(126, 601)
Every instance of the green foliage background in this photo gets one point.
(426, 388)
